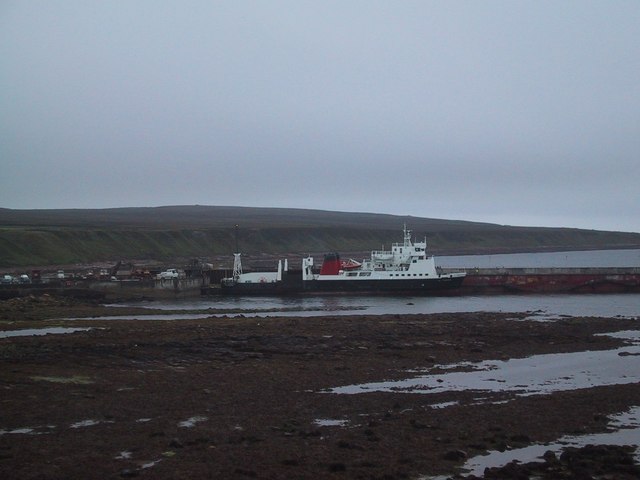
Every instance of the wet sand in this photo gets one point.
(248, 397)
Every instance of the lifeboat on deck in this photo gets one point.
(350, 264)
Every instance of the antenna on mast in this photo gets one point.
(407, 236)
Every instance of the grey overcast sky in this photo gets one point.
(515, 112)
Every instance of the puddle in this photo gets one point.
(444, 404)
(150, 464)
(86, 423)
(29, 332)
(75, 380)
(633, 335)
(125, 455)
(326, 422)
(40, 430)
(626, 431)
(536, 375)
(190, 422)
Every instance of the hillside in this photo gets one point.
(51, 237)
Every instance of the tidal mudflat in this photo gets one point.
(259, 397)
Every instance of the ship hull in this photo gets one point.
(435, 286)
(431, 286)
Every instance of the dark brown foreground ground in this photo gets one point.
(255, 389)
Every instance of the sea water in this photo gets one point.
(581, 259)
(541, 306)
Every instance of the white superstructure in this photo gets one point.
(406, 260)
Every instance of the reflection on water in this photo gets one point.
(40, 430)
(535, 375)
(28, 332)
(625, 431)
(601, 305)
(150, 464)
(327, 422)
(85, 423)
(190, 422)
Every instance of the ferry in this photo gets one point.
(406, 268)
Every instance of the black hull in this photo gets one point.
(294, 285)
(432, 286)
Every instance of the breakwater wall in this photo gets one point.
(549, 280)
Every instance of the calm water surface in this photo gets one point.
(605, 305)
(592, 258)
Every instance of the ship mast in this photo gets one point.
(237, 262)
(407, 236)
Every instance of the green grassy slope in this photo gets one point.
(48, 237)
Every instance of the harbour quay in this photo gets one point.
(550, 280)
